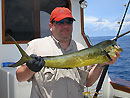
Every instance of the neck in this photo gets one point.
(65, 44)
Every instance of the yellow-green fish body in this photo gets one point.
(94, 55)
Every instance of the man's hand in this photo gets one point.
(36, 63)
(113, 60)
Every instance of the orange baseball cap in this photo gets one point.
(60, 13)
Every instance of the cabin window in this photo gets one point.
(27, 19)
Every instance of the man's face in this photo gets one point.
(62, 30)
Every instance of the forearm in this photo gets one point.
(93, 75)
(24, 73)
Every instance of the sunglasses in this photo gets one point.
(66, 20)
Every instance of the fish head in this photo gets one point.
(111, 46)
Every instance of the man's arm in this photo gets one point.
(23, 73)
(96, 71)
(93, 75)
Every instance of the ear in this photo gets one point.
(50, 25)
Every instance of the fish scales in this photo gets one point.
(85, 57)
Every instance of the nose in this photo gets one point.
(65, 25)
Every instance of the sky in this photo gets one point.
(101, 17)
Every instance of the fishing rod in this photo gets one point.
(101, 80)
(122, 20)
(121, 35)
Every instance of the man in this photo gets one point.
(52, 82)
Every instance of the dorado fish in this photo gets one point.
(99, 53)
(94, 55)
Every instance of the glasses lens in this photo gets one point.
(67, 21)
(60, 22)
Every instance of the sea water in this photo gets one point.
(121, 68)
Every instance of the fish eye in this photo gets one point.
(116, 46)
(113, 45)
